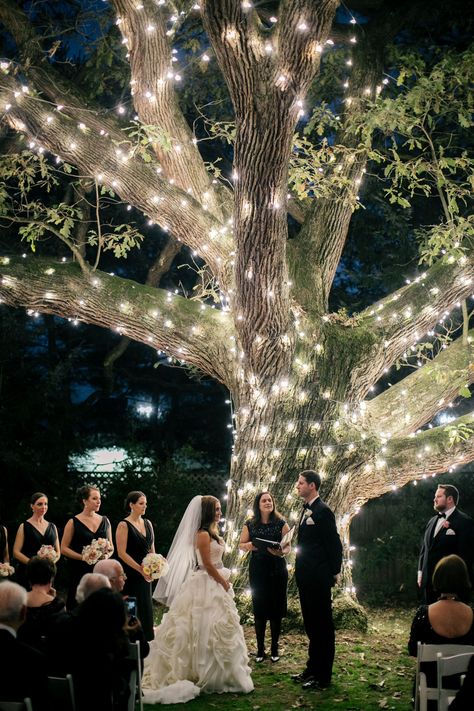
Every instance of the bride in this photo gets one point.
(199, 645)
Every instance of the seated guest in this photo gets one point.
(448, 620)
(97, 649)
(89, 583)
(23, 668)
(114, 571)
(59, 635)
(464, 697)
(43, 607)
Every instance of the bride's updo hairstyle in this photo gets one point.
(208, 517)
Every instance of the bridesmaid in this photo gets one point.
(80, 531)
(135, 539)
(32, 534)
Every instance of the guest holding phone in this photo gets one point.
(268, 573)
(32, 534)
(135, 539)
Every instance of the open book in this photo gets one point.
(262, 544)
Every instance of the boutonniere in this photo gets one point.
(445, 524)
(307, 513)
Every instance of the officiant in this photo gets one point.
(268, 573)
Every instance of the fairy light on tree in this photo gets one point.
(271, 338)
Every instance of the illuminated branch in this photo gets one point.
(135, 181)
(415, 400)
(403, 318)
(431, 451)
(154, 98)
(187, 330)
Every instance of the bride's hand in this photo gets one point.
(226, 585)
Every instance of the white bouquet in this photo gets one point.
(98, 549)
(48, 552)
(155, 566)
(6, 570)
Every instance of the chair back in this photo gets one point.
(429, 653)
(24, 705)
(447, 666)
(61, 693)
(134, 654)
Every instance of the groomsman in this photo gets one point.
(318, 562)
(449, 531)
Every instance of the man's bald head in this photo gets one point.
(113, 570)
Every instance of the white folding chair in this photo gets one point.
(134, 653)
(61, 693)
(429, 653)
(447, 666)
(24, 705)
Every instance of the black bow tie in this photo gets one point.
(441, 515)
(307, 506)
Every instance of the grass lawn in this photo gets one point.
(372, 671)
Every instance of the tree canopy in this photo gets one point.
(301, 123)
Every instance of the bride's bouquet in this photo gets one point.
(155, 566)
(6, 570)
(98, 549)
(48, 552)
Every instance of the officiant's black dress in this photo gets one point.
(82, 536)
(268, 574)
(32, 542)
(138, 546)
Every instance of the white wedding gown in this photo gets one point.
(199, 640)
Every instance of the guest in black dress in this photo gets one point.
(135, 539)
(43, 608)
(268, 573)
(80, 531)
(32, 534)
(447, 621)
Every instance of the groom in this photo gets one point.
(318, 562)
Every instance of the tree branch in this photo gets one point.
(431, 451)
(183, 328)
(401, 319)
(155, 101)
(135, 181)
(415, 400)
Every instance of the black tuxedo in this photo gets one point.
(318, 561)
(461, 542)
(23, 672)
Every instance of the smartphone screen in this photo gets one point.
(131, 604)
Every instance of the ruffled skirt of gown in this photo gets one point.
(200, 640)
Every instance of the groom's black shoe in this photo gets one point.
(314, 684)
(302, 676)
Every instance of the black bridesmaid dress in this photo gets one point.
(82, 536)
(138, 546)
(33, 540)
